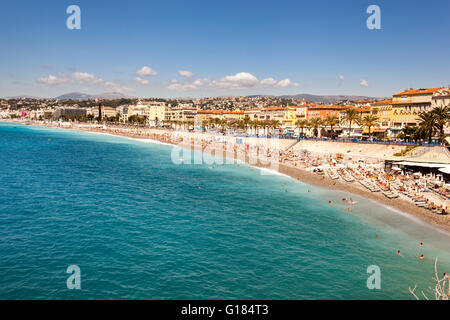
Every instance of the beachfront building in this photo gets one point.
(68, 113)
(363, 103)
(301, 111)
(356, 130)
(272, 114)
(206, 115)
(285, 116)
(156, 112)
(107, 112)
(252, 114)
(408, 105)
(291, 116)
(383, 111)
(322, 112)
(233, 115)
(181, 113)
(441, 98)
(4, 114)
(153, 111)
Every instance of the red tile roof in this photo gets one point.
(413, 92)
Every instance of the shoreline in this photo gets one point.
(305, 176)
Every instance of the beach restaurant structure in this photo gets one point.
(436, 168)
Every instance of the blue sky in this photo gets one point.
(227, 47)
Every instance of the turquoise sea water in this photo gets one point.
(139, 227)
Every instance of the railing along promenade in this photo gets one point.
(346, 140)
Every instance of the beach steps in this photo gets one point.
(291, 145)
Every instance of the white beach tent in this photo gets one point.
(445, 170)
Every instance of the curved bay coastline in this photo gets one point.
(400, 206)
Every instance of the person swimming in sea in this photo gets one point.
(378, 236)
(421, 257)
(421, 244)
(330, 202)
(398, 253)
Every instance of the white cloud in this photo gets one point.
(141, 81)
(364, 83)
(117, 87)
(185, 73)
(268, 82)
(200, 82)
(86, 77)
(182, 87)
(238, 81)
(194, 85)
(341, 77)
(146, 71)
(241, 80)
(286, 83)
(51, 80)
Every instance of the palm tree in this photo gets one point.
(442, 118)
(301, 124)
(215, 122)
(264, 125)
(223, 124)
(332, 121)
(254, 124)
(246, 121)
(205, 124)
(315, 123)
(427, 124)
(350, 116)
(370, 121)
(274, 124)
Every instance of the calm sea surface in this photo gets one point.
(139, 227)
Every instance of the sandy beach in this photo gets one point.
(303, 175)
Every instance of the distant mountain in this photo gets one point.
(325, 99)
(84, 96)
(74, 96)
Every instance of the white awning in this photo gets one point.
(424, 164)
(445, 170)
